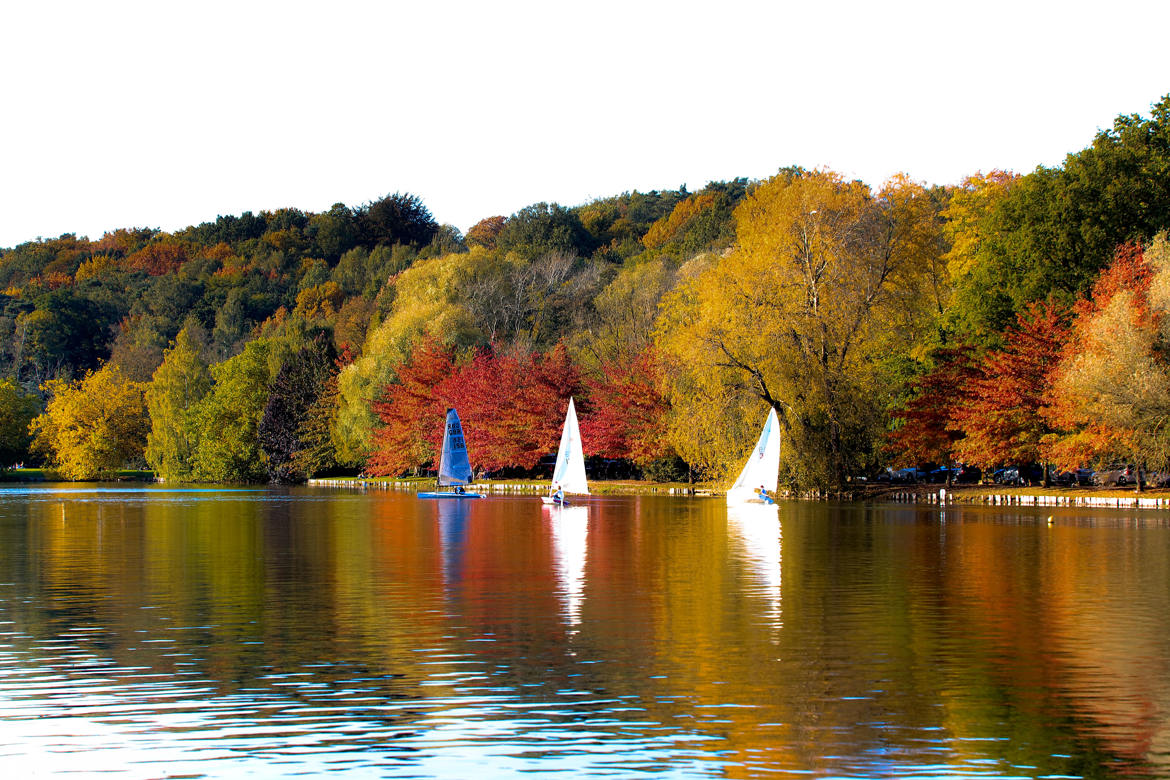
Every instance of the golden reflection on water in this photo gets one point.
(377, 631)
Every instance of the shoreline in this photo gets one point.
(519, 487)
(995, 495)
(998, 495)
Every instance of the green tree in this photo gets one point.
(1053, 230)
(334, 231)
(17, 410)
(400, 218)
(232, 410)
(542, 228)
(93, 426)
(626, 311)
(172, 396)
(292, 395)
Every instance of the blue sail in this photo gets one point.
(454, 466)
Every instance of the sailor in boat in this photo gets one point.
(460, 489)
(557, 493)
(762, 494)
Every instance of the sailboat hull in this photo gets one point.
(449, 494)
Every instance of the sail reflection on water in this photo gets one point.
(569, 526)
(757, 528)
(452, 523)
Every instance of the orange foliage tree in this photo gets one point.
(926, 429)
(485, 232)
(1002, 421)
(1111, 389)
(411, 412)
(159, 257)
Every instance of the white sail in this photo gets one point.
(454, 466)
(762, 467)
(569, 471)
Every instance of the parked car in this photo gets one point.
(967, 474)
(1009, 475)
(899, 475)
(1070, 477)
(1115, 474)
(1158, 479)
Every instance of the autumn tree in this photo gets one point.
(427, 304)
(826, 280)
(409, 412)
(514, 405)
(171, 400)
(93, 426)
(925, 428)
(1003, 420)
(485, 232)
(629, 410)
(1111, 390)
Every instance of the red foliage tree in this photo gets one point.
(628, 411)
(927, 430)
(411, 413)
(511, 406)
(1002, 421)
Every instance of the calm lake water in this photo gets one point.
(147, 632)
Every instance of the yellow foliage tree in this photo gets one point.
(825, 282)
(626, 312)
(671, 225)
(93, 426)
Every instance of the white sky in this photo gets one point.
(168, 113)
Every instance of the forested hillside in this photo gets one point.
(284, 344)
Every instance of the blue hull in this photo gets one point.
(450, 494)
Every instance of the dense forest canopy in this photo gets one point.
(282, 344)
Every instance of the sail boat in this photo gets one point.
(454, 466)
(569, 471)
(762, 467)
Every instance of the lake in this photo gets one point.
(149, 632)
